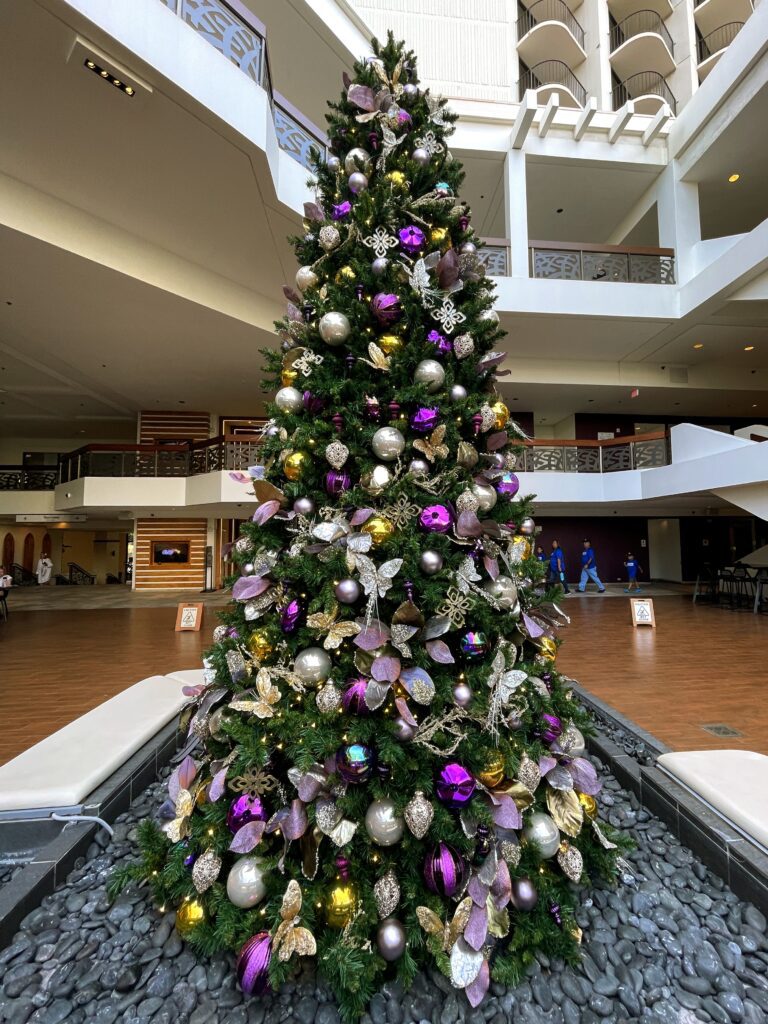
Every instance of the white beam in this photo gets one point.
(548, 116)
(524, 120)
(663, 114)
(585, 119)
(620, 122)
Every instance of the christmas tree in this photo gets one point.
(385, 768)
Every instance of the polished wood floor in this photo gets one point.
(699, 666)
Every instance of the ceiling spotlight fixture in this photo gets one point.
(109, 77)
(749, 348)
(699, 344)
(559, 209)
(733, 178)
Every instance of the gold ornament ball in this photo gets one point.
(340, 905)
(379, 528)
(202, 794)
(589, 804)
(288, 376)
(521, 548)
(501, 412)
(389, 343)
(346, 273)
(189, 916)
(439, 236)
(547, 648)
(260, 645)
(493, 769)
(397, 178)
(295, 464)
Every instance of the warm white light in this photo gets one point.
(749, 348)
(733, 178)
(699, 344)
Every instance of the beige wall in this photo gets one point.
(12, 448)
(98, 551)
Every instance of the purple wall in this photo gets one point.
(611, 538)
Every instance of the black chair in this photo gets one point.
(706, 588)
(744, 586)
(4, 602)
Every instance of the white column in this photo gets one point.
(516, 212)
(679, 222)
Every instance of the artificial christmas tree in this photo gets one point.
(385, 767)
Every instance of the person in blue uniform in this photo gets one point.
(633, 567)
(557, 567)
(589, 568)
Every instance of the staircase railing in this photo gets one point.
(78, 576)
(22, 577)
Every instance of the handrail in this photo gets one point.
(551, 72)
(644, 83)
(28, 478)
(559, 442)
(569, 261)
(637, 24)
(717, 40)
(77, 574)
(616, 454)
(597, 247)
(549, 10)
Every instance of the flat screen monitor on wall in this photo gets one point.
(167, 552)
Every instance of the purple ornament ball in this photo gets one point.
(474, 644)
(455, 785)
(445, 870)
(443, 346)
(253, 964)
(355, 762)
(336, 481)
(291, 616)
(347, 591)
(404, 119)
(436, 519)
(354, 697)
(508, 485)
(425, 419)
(385, 306)
(411, 239)
(243, 809)
(550, 728)
(524, 895)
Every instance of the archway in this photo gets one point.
(9, 550)
(28, 560)
(45, 548)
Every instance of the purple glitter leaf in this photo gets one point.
(533, 628)
(361, 516)
(277, 819)
(584, 776)
(491, 566)
(311, 783)
(546, 764)
(440, 652)
(346, 79)
(410, 677)
(436, 626)
(501, 890)
(476, 990)
(386, 669)
(496, 441)
(291, 295)
(182, 777)
(477, 891)
(294, 313)
(313, 212)
(375, 694)
(405, 712)
(476, 930)
(167, 810)
(490, 360)
(468, 525)
(448, 269)
(193, 691)
(491, 528)
(372, 636)
(248, 587)
(248, 837)
(361, 96)
(296, 822)
(240, 478)
(507, 814)
(560, 778)
(216, 788)
(265, 512)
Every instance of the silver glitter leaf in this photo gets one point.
(560, 778)
(466, 964)
(327, 815)
(528, 773)
(511, 852)
(386, 893)
(206, 870)
(343, 833)
(605, 842)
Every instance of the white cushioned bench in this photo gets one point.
(733, 782)
(61, 770)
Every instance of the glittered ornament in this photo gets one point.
(292, 616)
(329, 237)
(436, 519)
(354, 697)
(357, 159)
(524, 896)
(340, 904)
(382, 822)
(431, 373)
(253, 964)
(345, 273)
(418, 814)
(386, 307)
(507, 485)
(474, 644)
(189, 917)
(386, 893)
(245, 882)
(295, 464)
(492, 771)
(387, 443)
(243, 809)
(306, 278)
(589, 804)
(411, 239)
(289, 400)
(425, 419)
(390, 343)
(347, 591)
(463, 346)
(501, 412)
(379, 528)
(334, 328)
(328, 698)
(355, 762)
(445, 870)
(391, 939)
(439, 236)
(455, 785)
(336, 482)
(375, 481)
(260, 644)
(542, 831)
(443, 189)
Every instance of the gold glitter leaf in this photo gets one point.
(566, 810)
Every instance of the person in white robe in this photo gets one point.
(44, 569)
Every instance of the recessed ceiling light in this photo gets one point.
(108, 77)
(699, 344)
(754, 405)
(749, 348)
(732, 178)
(559, 209)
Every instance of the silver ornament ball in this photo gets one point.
(404, 731)
(431, 373)
(347, 591)
(418, 468)
(430, 562)
(379, 266)
(383, 824)
(485, 494)
(542, 831)
(457, 393)
(358, 182)
(390, 939)
(462, 695)
(489, 316)
(306, 278)
(388, 443)
(376, 480)
(420, 156)
(503, 590)
(357, 159)
(304, 506)
(579, 744)
(527, 527)
(247, 569)
(333, 164)
(289, 400)
(524, 895)
(312, 665)
(245, 882)
(410, 90)
(468, 247)
(334, 328)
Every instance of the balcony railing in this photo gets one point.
(643, 451)
(494, 256)
(644, 83)
(638, 23)
(549, 73)
(225, 452)
(717, 40)
(233, 30)
(549, 10)
(566, 261)
(24, 478)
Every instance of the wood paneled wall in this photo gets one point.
(156, 427)
(190, 576)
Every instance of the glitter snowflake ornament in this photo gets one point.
(380, 241)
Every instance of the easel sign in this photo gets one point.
(189, 617)
(642, 611)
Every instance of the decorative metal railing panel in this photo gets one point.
(615, 265)
(556, 264)
(592, 457)
(495, 259)
(650, 454)
(221, 28)
(293, 138)
(22, 478)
